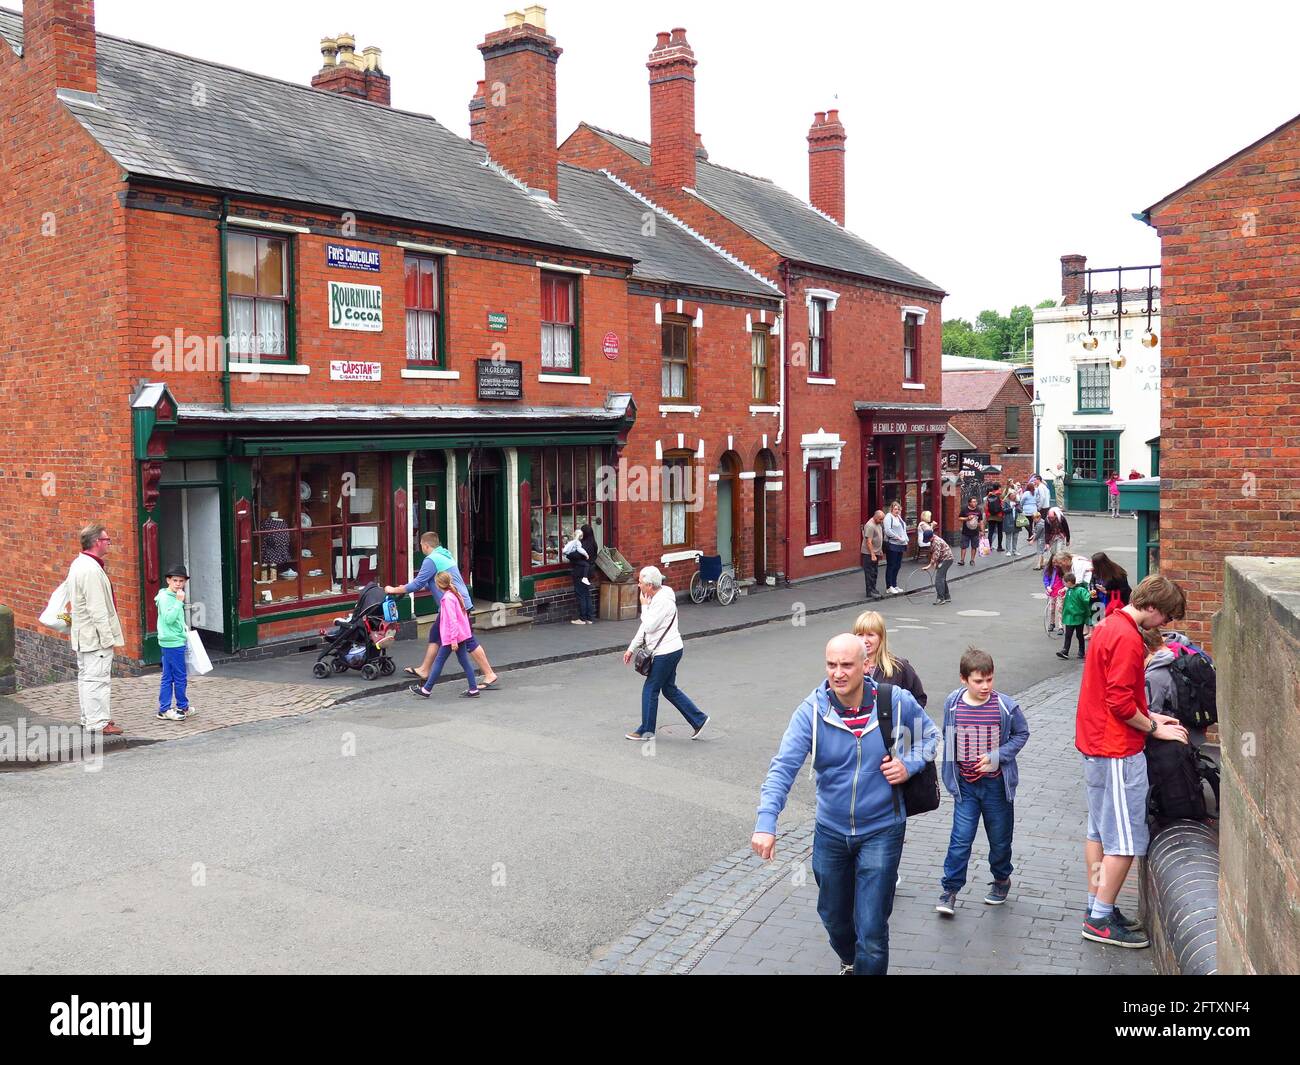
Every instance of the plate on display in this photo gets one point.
(306, 522)
(304, 491)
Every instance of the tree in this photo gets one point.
(993, 335)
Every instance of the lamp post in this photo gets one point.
(1038, 406)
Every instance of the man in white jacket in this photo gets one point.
(95, 629)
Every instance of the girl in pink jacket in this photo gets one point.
(454, 634)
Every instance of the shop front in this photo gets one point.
(902, 447)
(283, 515)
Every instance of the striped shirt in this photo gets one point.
(939, 550)
(857, 720)
(978, 731)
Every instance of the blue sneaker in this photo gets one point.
(998, 891)
(947, 904)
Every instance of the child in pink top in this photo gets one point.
(454, 634)
(1112, 486)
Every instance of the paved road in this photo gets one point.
(517, 833)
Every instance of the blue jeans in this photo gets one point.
(663, 678)
(462, 656)
(855, 879)
(174, 679)
(987, 796)
(582, 592)
(893, 562)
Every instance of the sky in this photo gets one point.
(985, 140)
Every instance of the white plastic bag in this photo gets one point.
(196, 655)
(58, 615)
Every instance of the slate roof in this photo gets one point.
(610, 214)
(265, 137)
(973, 389)
(956, 440)
(782, 221)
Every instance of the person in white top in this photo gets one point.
(895, 546)
(660, 636)
(96, 629)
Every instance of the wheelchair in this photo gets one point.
(710, 581)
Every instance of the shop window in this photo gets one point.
(559, 323)
(678, 339)
(758, 343)
(563, 487)
(911, 348)
(907, 474)
(820, 501)
(423, 310)
(678, 492)
(321, 527)
(819, 338)
(257, 288)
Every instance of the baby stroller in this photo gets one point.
(359, 641)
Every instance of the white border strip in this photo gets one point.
(432, 249)
(820, 549)
(261, 223)
(561, 268)
(431, 375)
(287, 368)
(562, 379)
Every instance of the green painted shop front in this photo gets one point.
(280, 532)
(1090, 458)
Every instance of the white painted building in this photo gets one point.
(1102, 406)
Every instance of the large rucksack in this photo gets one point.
(1195, 689)
(1175, 772)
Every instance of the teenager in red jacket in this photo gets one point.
(1110, 731)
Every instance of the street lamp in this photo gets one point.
(1038, 406)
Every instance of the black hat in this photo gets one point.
(176, 571)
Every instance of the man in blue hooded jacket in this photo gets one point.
(861, 820)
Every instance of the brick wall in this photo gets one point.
(65, 460)
(1230, 398)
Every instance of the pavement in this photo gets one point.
(239, 692)
(518, 832)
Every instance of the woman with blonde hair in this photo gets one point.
(880, 664)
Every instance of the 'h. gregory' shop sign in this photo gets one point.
(357, 307)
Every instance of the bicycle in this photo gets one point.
(711, 581)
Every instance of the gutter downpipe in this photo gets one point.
(782, 438)
(225, 306)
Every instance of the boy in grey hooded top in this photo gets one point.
(1161, 697)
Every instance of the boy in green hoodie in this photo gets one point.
(1074, 612)
(171, 639)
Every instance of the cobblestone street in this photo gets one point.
(744, 917)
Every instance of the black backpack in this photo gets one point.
(1195, 690)
(1175, 773)
(920, 791)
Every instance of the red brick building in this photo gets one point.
(284, 373)
(858, 420)
(992, 410)
(1230, 402)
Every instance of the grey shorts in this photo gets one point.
(1117, 803)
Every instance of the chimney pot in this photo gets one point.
(373, 58)
(819, 119)
(329, 50)
(535, 15)
(833, 116)
(514, 19)
(679, 35)
(661, 40)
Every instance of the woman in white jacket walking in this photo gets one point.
(660, 636)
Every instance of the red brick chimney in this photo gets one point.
(1072, 287)
(59, 41)
(517, 120)
(672, 110)
(477, 103)
(826, 139)
(346, 73)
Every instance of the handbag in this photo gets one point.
(1022, 522)
(642, 659)
(196, 655)
(58, 614)
(919, 793)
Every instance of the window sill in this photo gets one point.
(820, 549)
(1105, 410)
(677, 556)
(562, 379)
(411, 373)
(268, 368)
(761, 408)
(666, 409)
(918, 386)
(821, 380)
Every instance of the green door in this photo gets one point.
(1090, 459)
(429, 497)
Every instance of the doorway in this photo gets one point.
(429, 497)
(189, 533)
(487, 542)
(1090, 460)
(728, 524)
